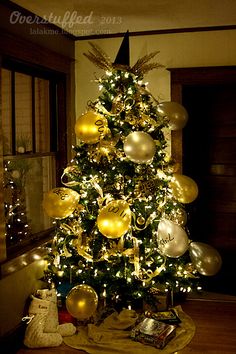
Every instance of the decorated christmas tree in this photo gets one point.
(121, 225)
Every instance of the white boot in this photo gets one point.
(35, 337)
(52, 322)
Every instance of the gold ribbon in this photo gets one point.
(102, 199)
(150, 274)
(76, 230)
(148, 221)
(69, 169)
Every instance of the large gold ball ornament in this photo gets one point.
(60, 202)
(114, 219)
(139, 147)
(82, 301)
(91, 127)
(184, 188)
(175, 112)
(172, 239)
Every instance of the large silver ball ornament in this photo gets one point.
(175, 112)
(139, 147)
(205, 258)
(172, 239)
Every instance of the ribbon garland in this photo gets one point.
(150, 274)
(76, 230)
(71, 183)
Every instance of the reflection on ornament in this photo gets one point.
(205, 258)
(91, 127)
(59, 203)
(175, 113)
(139, 147)
(114, 219)
(82, 301)
(172, 239)
(184, 188)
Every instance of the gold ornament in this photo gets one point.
(139, 147)
(175, 113)
(82, 301)
(141, 220)
(114, 219)
(184, 188)
(61, 202)
(91, 127)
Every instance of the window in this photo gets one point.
(30, 144)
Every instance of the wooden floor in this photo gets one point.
(215, 321)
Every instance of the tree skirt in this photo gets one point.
(113, 337)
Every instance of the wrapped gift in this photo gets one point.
(162, 297)
(153, 332)
(169, 317)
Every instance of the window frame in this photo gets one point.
(60, 69)
(56, 104)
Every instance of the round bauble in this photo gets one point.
(206, 259)
(60, 202)
(82, 301)
(91, 127)
(184, 188)
(114, 219)
(139, 147)
(175, 113)
(172, 239)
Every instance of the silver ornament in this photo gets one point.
(139, 147)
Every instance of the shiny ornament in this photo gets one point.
(91, 127)
(139, 147)
(114, 219)
(205, 258)
(172, 239)
(184, 188)
(141, 220)
(175, 113)
(82, 301)
(60, 202)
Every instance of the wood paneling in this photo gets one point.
(208, 147)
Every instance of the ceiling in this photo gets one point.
(106, 17)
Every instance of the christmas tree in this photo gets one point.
(17, 223)
(121, 220)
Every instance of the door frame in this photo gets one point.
(194, 76)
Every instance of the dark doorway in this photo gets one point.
(209, 157)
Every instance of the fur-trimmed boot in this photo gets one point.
(35, 336)
(52, 323)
